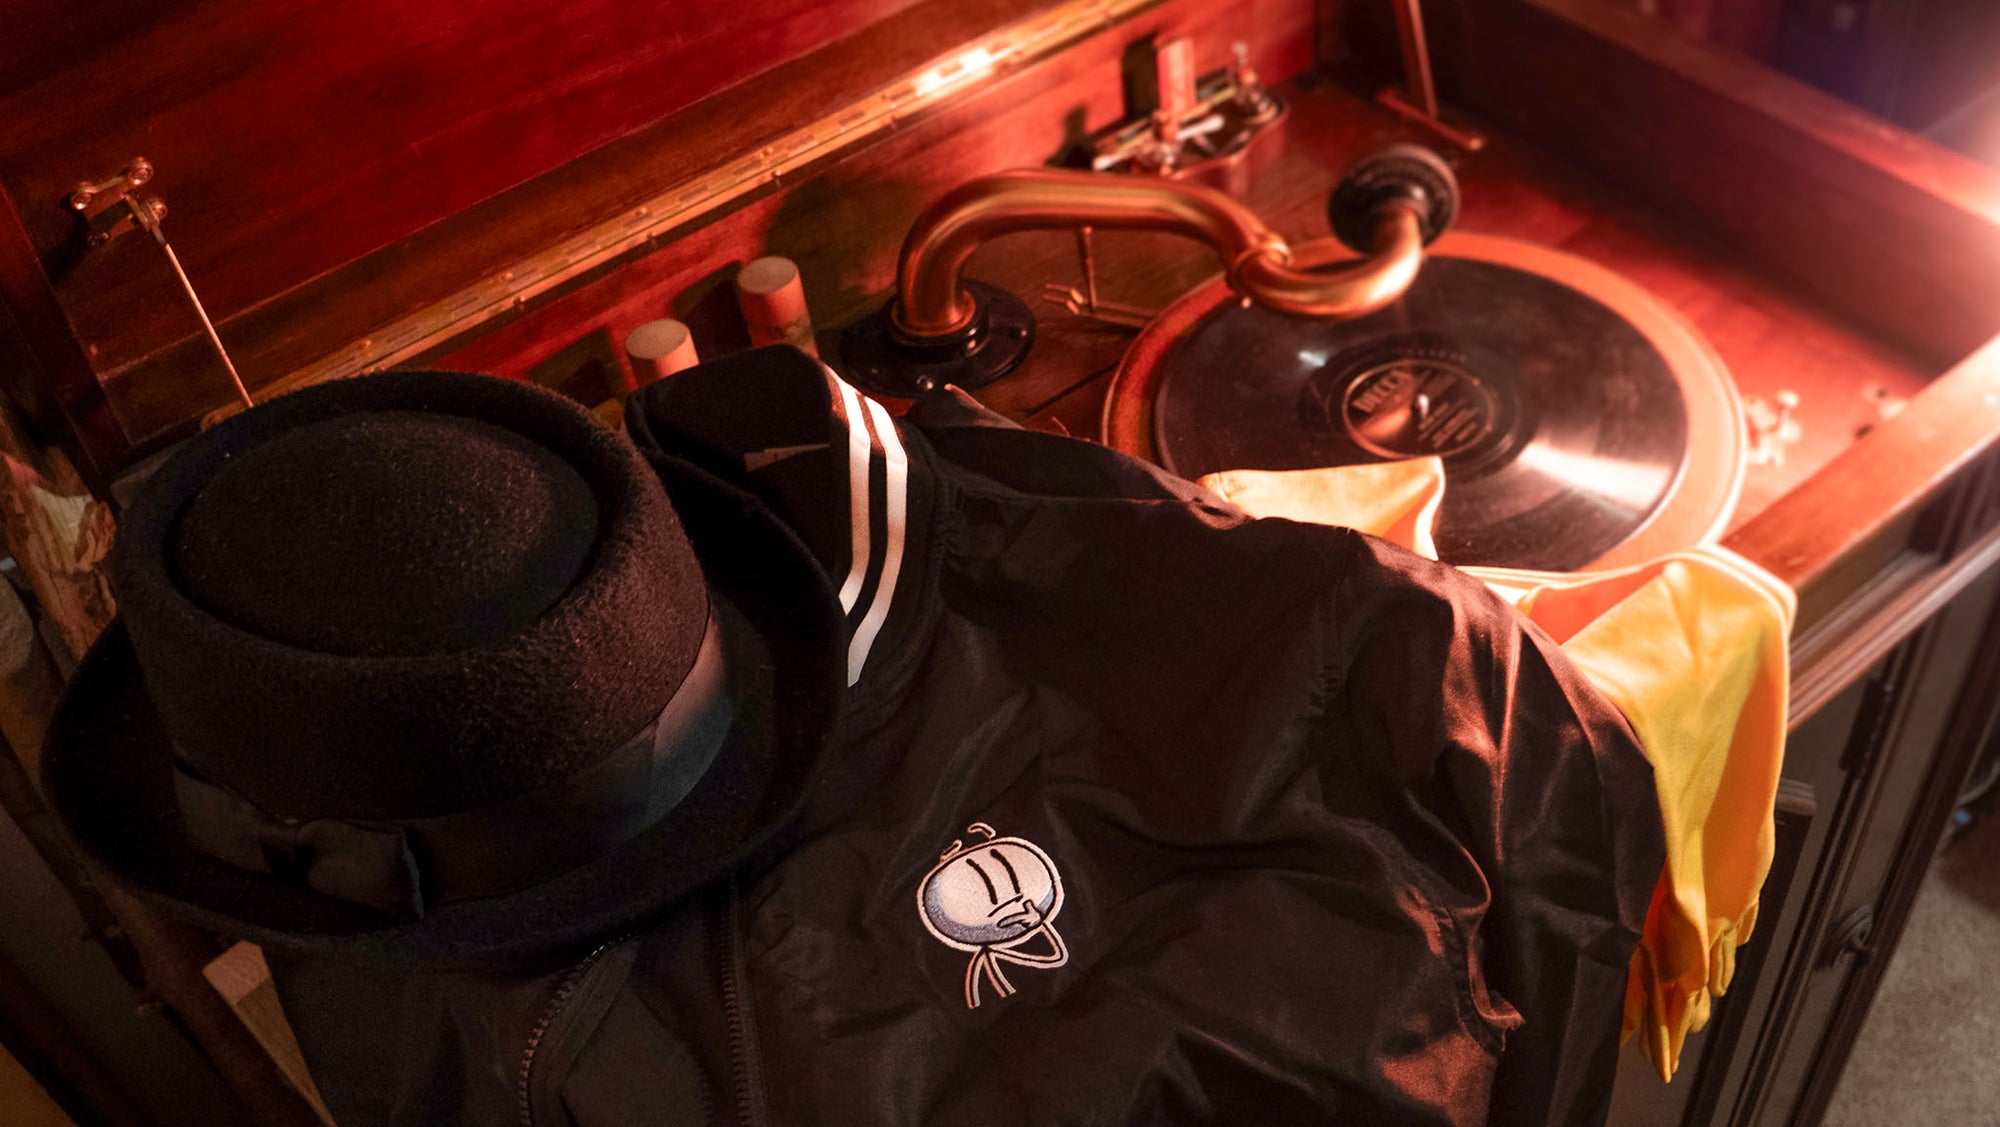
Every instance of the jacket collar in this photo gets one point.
(861, 491)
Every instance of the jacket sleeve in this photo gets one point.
(1508, 747)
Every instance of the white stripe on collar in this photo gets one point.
(871, 430)
(858, 452)
(895, 506)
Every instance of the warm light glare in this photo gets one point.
(1632, 484)
(972, 64)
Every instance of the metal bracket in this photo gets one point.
(1772, 427)
(1085, 302)
(110, 207)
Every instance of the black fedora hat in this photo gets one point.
(427, 666)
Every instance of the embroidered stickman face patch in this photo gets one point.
(994, 898)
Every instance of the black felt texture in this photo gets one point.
(413, 533)
(309, 732)
(108, 752)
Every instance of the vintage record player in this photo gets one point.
(1684, 299)
(1582, 424)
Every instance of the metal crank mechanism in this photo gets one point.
(1195, 123)
(943, 328)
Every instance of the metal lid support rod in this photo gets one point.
(1418, 100)
(111, 207)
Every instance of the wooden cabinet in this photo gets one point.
(1920, 718)
(1886, 757)
(1872, 775)
(535, 211)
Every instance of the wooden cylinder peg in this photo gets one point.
(774, 304)
(659, 348)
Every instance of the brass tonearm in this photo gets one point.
(943, 328)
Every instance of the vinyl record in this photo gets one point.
(1563, 428)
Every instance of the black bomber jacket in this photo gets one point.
(1143, 812)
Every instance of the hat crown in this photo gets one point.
(383, 533)
(269, 667)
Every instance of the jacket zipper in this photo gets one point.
(735, 1004)
(522, 1082)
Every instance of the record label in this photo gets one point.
(1411, 408)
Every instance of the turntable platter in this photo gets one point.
(1580, 423)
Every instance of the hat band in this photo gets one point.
(405, 867)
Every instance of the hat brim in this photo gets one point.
(108, 759)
